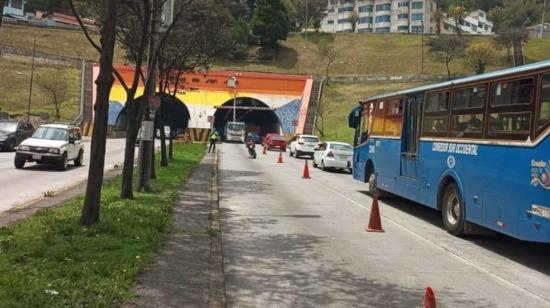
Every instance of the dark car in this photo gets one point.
(274, 141)
(12, 133)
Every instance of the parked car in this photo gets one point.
(303, 145)
(12, 133)
(52, 144)
(274, 141)
(335, 155)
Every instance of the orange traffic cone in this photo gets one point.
(375, 223)
(280, 160)
(429, 299)
(306, 171)
(264, 152)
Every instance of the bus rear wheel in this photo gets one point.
(453, 210)
(373, 189)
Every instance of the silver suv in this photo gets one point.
(52, 144)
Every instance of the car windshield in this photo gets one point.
(341, 147)
(310, 139)
(276, 137)
(8, 126)
(50, 133)
(235, 126)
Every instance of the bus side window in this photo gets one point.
(544, 114)
(436, 115)
(511, 109)
(468, 112)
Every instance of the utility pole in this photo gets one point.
(307, 21)
(32, 79)
(542, 22)
(422, 48)
(232, 83)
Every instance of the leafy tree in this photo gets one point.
(315, 11)
(327, 50)
(241, 38)
(438, 19)
(57, 86)
(446, 48)
(458, 12)
(480, 54)
(91, 208)
(270, 22)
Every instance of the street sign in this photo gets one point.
(210, 119)
(154, 101)
(294, 123)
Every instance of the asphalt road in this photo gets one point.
(18, 187)
(291, 242)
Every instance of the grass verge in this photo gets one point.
(49, 260)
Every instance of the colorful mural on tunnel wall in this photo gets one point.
(287, 95)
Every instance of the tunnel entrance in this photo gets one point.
(257, 116)
(176, 115)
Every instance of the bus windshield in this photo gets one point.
(235, 126)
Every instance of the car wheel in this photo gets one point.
(453, 210)
(350, 170)
(78, 160)
(19, 163)
(323, 165)
(297, 154)
(314, 164)
(63, 163)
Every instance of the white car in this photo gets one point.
(335, 155)
(303, 145)
(52, 144)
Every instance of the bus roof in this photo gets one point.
(466, 80)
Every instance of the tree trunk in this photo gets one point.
(447, 63)
(153, 168)
(170, 152)
(518, 53)
(132, 126)
(91, 208)
(2, 3)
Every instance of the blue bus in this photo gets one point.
(475, 148)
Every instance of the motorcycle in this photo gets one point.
(251, 146)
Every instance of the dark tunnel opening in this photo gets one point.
(175, 114)
(257, 116)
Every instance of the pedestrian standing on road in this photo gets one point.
(213, 139)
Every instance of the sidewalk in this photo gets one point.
(187, 271)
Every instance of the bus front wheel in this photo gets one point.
(453, 210)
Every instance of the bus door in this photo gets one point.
(410, 138)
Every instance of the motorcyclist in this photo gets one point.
(251, 145)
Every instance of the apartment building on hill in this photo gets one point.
(380, 16)
(14, 7)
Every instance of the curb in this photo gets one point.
(217, 297)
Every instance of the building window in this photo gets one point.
(417, 5)
(330, 22)
(383, 18)
(403, 4)
(345, 9)
(344, 21)
(382, 30)
(416, 29)
(383, 7)
(17, 4)
(365, 8)
(365, 20)
(331, 10)
(417, 16)
(402, 16)
(403, 28)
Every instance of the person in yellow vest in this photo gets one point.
(213, 139)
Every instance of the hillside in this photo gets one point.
(355, 54)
